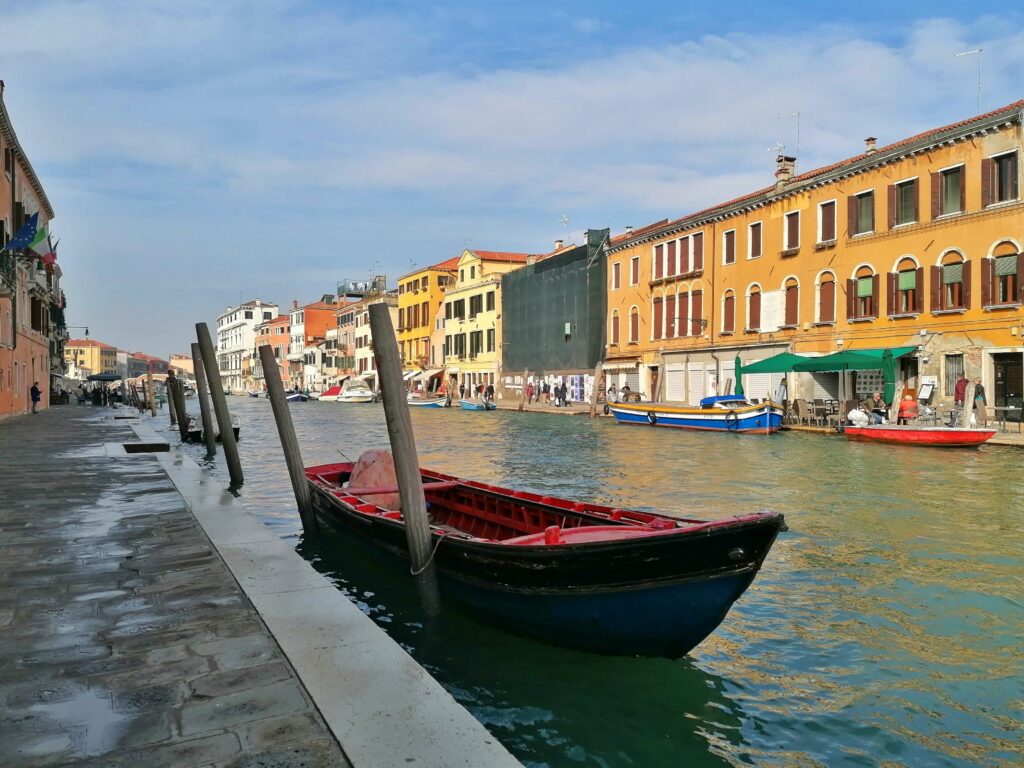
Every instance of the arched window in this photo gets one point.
(657, 317)
(792, 288)
(754, 307)
(951, 283)
(826, 298)
(670, 314)
(862, 294)
(613, 330)
(905, 286)
(1001, 276)
(696, 310)
(728, 312)
(634, 325)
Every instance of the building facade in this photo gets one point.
(917, 243)
(275, 334)
(236, 334)
(94, 355)
(420, 294)
(365, 364)
(308, 326)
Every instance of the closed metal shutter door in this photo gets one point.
(757, 385)
(696, 383)
(633, 379)
(826, 385)
(675, 383)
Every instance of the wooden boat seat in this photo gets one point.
(588, 534)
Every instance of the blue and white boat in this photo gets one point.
(722, 413)
(477, 405)
(426, 402)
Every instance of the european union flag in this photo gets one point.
(24, 236)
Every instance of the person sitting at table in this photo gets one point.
(875, 405)
(908, 410)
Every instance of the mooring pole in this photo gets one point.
(522, 393)
(178, 393)
(403, 449)
(151, 393)
(171, 408)
(203, 393)
(595, 390)
(289, 443)
(220, 404)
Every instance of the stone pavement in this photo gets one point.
(124, 639)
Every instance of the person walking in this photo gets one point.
(462, 391)
(529, 393)
(546, 388)
(981, 412)
(36, 395)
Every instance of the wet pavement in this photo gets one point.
(124, 638)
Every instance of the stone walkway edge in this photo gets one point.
(380, 704)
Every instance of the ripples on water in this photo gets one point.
(884, 628)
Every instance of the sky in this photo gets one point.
(200, 154)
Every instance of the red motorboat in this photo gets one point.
(941, 437)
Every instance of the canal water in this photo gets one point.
(884, 629)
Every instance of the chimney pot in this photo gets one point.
(558, 244)
(869, 145)
(629, 229)
(784, 165)
(295, 303)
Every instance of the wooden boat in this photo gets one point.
(939, 437)
(722, 413)
(356, 392)
(477, 405)
(426, 402)
(571, 573)
(296, 397)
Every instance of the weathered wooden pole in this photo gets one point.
(289, 443)
(179, 403)
(151, 393)
(595, 390)
(203, 393)
(220, 404)
(403, 449)
(171, 409)
(522, 394)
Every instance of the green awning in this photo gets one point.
(781, 363)
(852, 360)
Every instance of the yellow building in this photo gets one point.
(914, 244)
(94, 355)
(472, 312)
(420, 295)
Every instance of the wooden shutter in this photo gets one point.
(792, 304)
(696, 310)
(670, 317)
(967, 285)
(684, 314)
(755, 240)
(891, 196)
(936, 195)
(919, 289)
(962, 180)
(828, 222)
(401, 319)
(890, 294)
(634, 271)
(851, 299)
(851, 215)
(874, 296)
(729, 310)
(658, 319)
(986, 282)
(792, 230)
(684, 255)
(754, 312)
(1020, 275)
(936, 287)
(670, 269)
(634, 326)
(988, 178)
(827, 302)
(659, 254)
(615, 328)
(698, 251)
(730, 247)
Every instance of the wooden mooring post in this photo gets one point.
(151, 393)
(289, 443)
(403, 450)
(220, 404)
(522, 393)
(178, 396)
(595, 390)
(171, 410)
(203, 393)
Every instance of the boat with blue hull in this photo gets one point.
(424, 402)
(477, 405)
(720, 413)
(582, 575)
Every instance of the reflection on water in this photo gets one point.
(883, 629)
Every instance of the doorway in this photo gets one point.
(1009, 383)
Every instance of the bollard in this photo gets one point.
(403, 450)
(595, 390)
(171, 408)
(289, 444)
(203, 394)
(220, 404)
(522, 394)
(151, 393)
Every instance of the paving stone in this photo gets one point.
(239, 652)
(149, 698)
(232, 681)
(291, 729)
(228, 711)
(314, 754)
(42, 748)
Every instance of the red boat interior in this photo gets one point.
(479, 511)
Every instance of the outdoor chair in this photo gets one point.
(839, 417)
(805, 412)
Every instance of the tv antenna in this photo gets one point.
(969, 53)
(564, 221)
(797, 116)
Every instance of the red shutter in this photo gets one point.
(874, 296)
(634, 270)
(828, 222)
(659, 254)
(792, 304)
(754, 312)
(684, 255)
(696, 310)
(936, 195)
(986, 282)
(967, 285)
(919, 290)
(988, 178)
(891, 196)
(671, 268)
(851, 299)
(890, 294)
(1020, 275)
(793, 231)
(634, 326)
(755, 241)
(658, 319)
(684, 314)
(698, 252)
(936, 287)
(615, 328)
(851, 215)
(670, 317)
(729, 310)
(827, 303)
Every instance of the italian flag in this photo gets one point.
(41, 245)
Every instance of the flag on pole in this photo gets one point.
(41, 245)
(24, 236)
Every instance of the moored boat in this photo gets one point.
(426, 402)
(723, 413)
(296, 397)
(938, 437)
(477, 405)
(330, 394)
(356, 391)
(571, 573)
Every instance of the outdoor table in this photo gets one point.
(1002, 411)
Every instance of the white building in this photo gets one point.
(236, 339)
(365, 365)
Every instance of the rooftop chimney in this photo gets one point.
(295, 303)
(558, 244)
(869, 145)
(784, 169)
(629, 229)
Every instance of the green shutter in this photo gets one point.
(863, 287)
(952, 273)
(1006, 265)
(908, 280)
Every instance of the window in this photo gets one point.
(754, 241)
(616, 276)
(827, 222)
(462, 275)
(476, 343)
(862, 295)
(729, 247)
(472, 272)
(684, 255)
(634, 325)
(951, 283)
(903, 203)
(1001, 277)
(754, 308)
(424, 282)
(424, 311)
(999, 179)
(659, 258)
(862, 213)
(634, 270)
(670, 258)
(267, 315)
(657, 318)
(827, 298)
(401, 319)
(904, 289)
(729, 312)
(490, 339)
(613, 330)
(948, 192)
(459, 309)
(476, 305)
(792, 312)
(698, 251)
(954, 368)
(696, 313)
(490, 301)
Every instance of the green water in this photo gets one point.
(884, 629)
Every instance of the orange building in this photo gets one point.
(273, 332)
(308, 326)
(913, 244)
(420, 296)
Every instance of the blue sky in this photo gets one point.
(199, 153)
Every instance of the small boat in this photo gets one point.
(909, 434)
(426, 402)
(254, 394)
(723, 413)
(477, 405)
(296, 397)
(571, 573)
(330, 394)
(194, 431)
(356, 392)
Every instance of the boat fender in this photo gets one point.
(737, 554)
(607, 410)
(732, 421)
(652, 418)
(551, 534)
